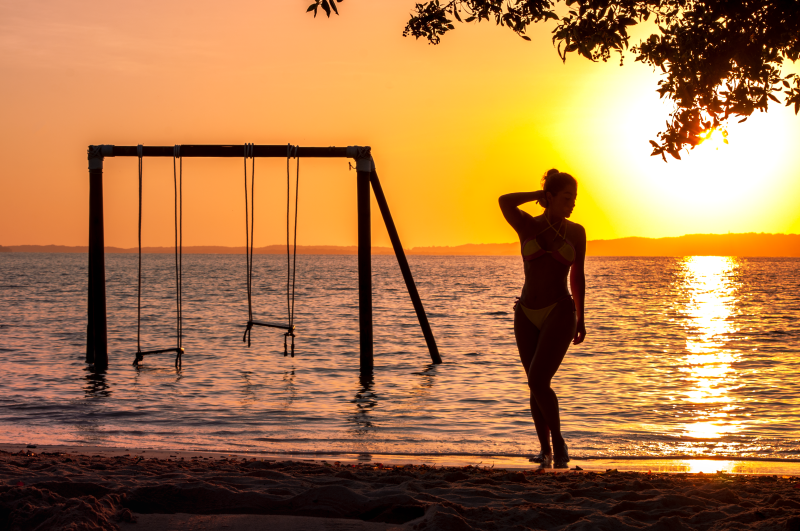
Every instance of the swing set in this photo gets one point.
(366, 176)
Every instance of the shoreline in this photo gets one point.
(111, 490)
(663, 464)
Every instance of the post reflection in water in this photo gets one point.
(95, 385)
(365, 401)
(710, 285)
(290, 390)
(422, 389)
(248, 391)
(89, 424)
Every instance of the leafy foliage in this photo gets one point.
(327, 6)
(719, 59)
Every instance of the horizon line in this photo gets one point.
(728, 244)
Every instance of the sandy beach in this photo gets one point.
(44, 489)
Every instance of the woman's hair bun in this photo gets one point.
(554, 181)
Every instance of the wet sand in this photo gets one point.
(43, 488)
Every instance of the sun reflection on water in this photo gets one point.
(711, 286)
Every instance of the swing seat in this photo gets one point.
(289, 333)
(271, 325)
(177, 350)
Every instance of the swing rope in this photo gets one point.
(249, 232)
(291, 151)
(178, 190)
(178, 185)
(139, 293)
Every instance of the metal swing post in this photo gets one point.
(364, 168)
(97, 326)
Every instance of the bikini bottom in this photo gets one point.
(538, 316)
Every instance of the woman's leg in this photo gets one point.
(554, 338)
(527, 336)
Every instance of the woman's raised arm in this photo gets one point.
(509, 205)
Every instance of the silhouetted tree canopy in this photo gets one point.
(719, 59)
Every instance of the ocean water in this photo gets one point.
(693, 356)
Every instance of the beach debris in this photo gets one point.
(31, 446)
(577, 468)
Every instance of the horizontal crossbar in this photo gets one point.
(208, 150)
(271, 325)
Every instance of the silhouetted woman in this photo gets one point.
(546, 316)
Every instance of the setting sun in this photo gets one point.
(714, 138)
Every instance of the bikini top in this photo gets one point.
(564, 254)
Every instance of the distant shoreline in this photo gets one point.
(747, 244)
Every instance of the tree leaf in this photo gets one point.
(525, 37)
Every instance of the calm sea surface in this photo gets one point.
(689, 356)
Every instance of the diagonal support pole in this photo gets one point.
(403, 262)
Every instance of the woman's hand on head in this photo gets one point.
(580, 333)
(542, 199)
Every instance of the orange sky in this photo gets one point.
(452, 127)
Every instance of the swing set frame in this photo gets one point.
(366, 177)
